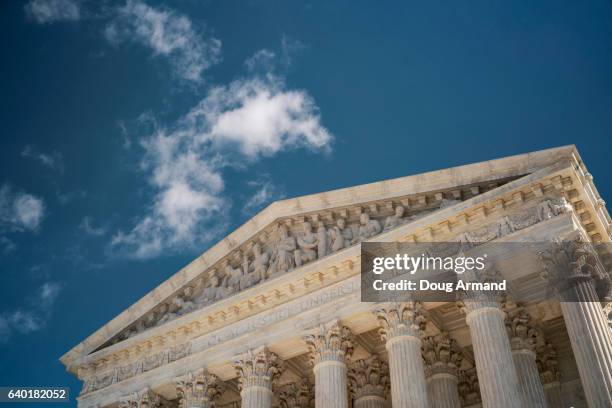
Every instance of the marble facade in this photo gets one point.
(271, 315)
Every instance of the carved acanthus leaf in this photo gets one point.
(258, 367)
(332, 341)
(441, 354)
(369, 377)
(401, 319)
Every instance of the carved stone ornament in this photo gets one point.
(401, 319)
(199, 389)
(441, 354)
(548, 365)
(258, 368)
(474, 299)
(142, 399)
(297, 395)
(567, 263)
(331, 342)
(522, 332)
(369, 377)
(469, 389)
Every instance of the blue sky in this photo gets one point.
(135, 134)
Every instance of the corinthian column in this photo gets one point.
(549, 374)
(142, 399)
(442, 360)
(401, 325)
(369, 381)
(330, 348)
(570, 268)
(257, 371)
(199, 389)
(523, 340)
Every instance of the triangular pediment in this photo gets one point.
(291, 233)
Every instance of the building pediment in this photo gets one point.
(291, 234)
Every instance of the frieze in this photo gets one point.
(142, 365)
(289, 245)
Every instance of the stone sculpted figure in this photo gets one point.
(284, 252)
(396, 219)
(368, 228)
(341, 236)
(307, 243)
(550, 208)
(233, 275)
(211, 291)
(259, 268)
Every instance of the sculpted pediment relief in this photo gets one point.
(292, 242)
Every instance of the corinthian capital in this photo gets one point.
(142, 399)
(568, 262)
(442, 355)
(548, 366)
(468, 387)
(401, 319)
(369, 377)
(520, 327)
(258, 367)
(297, 395)
(199, 389)
(332, 342)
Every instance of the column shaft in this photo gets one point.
(331, 389)
(331, 347)
(371, 401)
(256, 397)
(499, 386)
(529, 378)
(591, 342)
(442, 389)
(408, 386)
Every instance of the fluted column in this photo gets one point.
(548, 367)
(401, 328)
(199, 389)
(257, 371)
(442, 360)
(330, 347)
(570, 268)
(297, 395)
(523, 340)
(369, 382)
(499, 384)
(142, 399)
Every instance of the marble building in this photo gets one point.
(271, 316)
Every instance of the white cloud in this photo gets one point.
(32, 316)
(87, 226)
(52, 160)
(20, 211)
(167, 34)
(233, 125)
(260, 117)
(51, 11)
